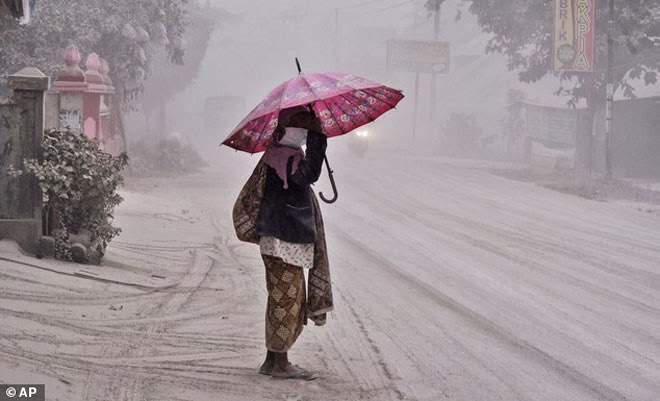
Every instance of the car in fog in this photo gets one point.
(358, 141)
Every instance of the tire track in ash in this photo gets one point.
(354, 355)
(13, 288)
(194, 371)
(379, 313)
(102, 387)
(335, 385)
(186, 304)
(500, 335)
(396, 212)
(220, 251)
(160, 316)
(126, 362)
(530, 248)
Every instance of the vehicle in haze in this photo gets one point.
(358, 141)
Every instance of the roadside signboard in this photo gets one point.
(574, 35)
(418, 56)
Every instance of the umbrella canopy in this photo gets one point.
(342, 101)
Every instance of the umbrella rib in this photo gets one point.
(387, 103)
(263, 132)
(344, 111)
(331, 115)
(371, 86)
(353, 86)
(304, 79)
(320, 96)
(336, 103)
(284, 91)
(357, 107)
(341, 96)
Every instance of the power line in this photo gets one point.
(359, 4)
(372, 2)
(394, 6)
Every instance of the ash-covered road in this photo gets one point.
(450, 283)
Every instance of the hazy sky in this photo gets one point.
(254, 51)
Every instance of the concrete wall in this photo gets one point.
(21, 133)
(635, 141)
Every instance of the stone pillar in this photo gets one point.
(20, 214)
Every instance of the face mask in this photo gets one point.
(294, 137)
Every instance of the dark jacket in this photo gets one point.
(288, 213)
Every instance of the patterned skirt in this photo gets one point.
(286, 307)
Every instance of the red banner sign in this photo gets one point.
(574, 35)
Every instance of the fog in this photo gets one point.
(452, 279)
(253, 48)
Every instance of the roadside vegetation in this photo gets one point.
(79, 185)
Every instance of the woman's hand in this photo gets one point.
(307, 120)
(278, 133)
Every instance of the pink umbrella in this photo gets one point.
(342, 101)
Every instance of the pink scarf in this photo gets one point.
(277, 157)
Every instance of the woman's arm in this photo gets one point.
(309, 168)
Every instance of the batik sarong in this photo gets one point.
(319, 286)
(285, 310)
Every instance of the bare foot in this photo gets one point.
(266, 368)
(293, 372)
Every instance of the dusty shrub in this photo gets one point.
(169, 156)
(79, 185)
(462, 134)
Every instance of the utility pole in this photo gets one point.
(609, 112)
(415, 109)
(434, 96)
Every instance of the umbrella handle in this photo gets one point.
(332, 182)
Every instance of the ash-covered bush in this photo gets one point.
(79, 184)
(171, 156)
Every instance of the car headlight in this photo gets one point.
(362, 133)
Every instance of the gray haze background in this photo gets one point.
(254, 50)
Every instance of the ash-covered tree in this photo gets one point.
(522, 30)
(178, 76)
(126, 33)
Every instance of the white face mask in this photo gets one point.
(294, 137)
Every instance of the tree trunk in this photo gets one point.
(162, 117)
(117, 120)
(585, 145)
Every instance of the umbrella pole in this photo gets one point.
(332, 182)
